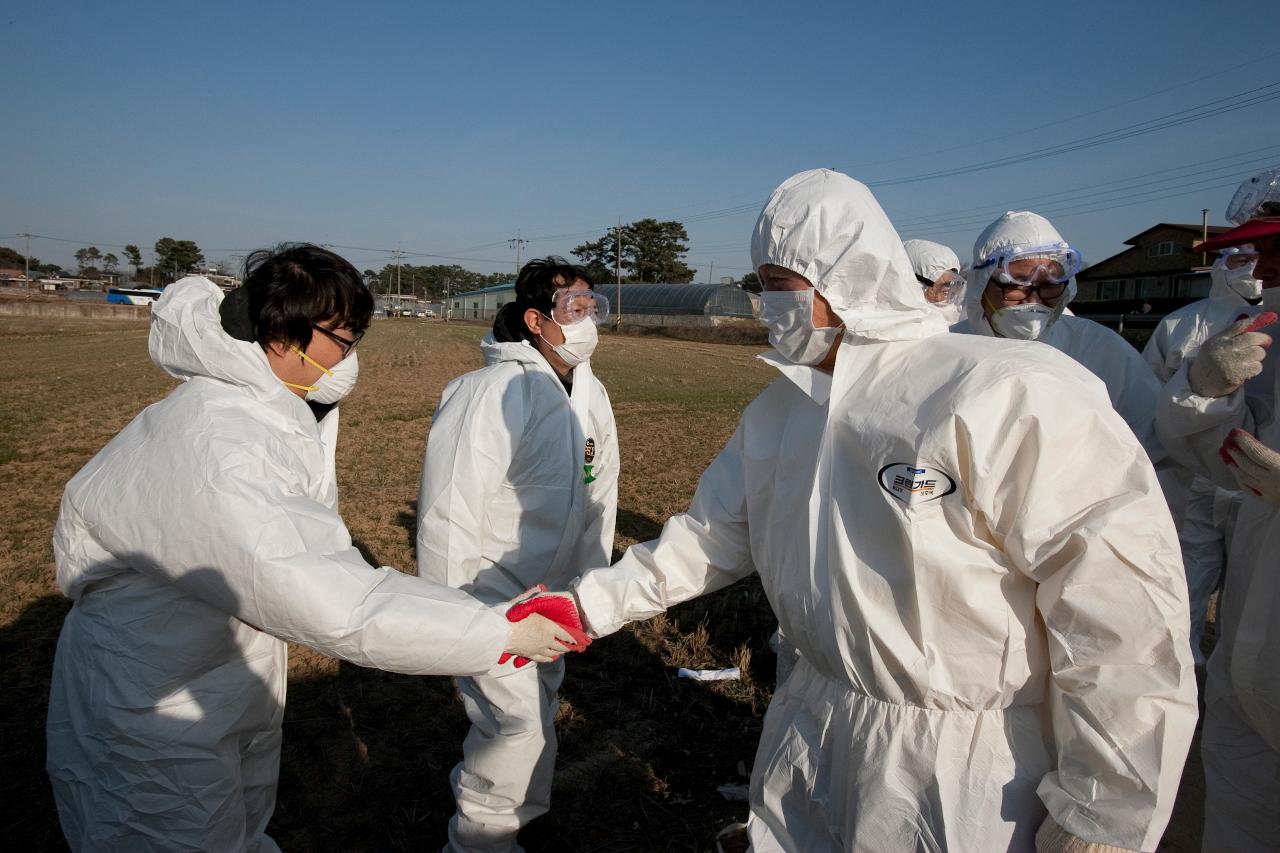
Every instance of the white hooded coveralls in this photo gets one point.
(987, 627)
(505, 504)
(1134, 392)
(930, 260)
(195, 544)
(1241, 738)
(1207, 509)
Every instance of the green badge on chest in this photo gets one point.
(588, 457)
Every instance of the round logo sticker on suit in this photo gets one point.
(913, 483)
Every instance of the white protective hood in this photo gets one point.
(1014, 228)
(930, 259)
(187, 340)
(829, 228)
(495, 351)
(1219, 289)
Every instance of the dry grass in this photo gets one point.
(367, 754)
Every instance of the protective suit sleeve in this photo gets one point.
(473, 437)
(1156, 352)
(249, 541)
(702, 550)
(1098, 540)
(1135, 393)
(1193, 427)
(602, 502)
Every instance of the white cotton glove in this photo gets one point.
(560, 609)
(537, 638)
(1255, 466)
(1054, 839)
(1229, 358)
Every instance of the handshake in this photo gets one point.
(544, 626)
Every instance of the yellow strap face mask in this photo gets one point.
(313, 363)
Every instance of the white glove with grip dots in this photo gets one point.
(1054, 839)
(1255, 466)
(1231, 357)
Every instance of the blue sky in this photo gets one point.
(448, 128)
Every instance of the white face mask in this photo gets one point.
(788, 314)
(1023, 322)
(334, 386)
(1271, 299)
(1241, 282)
(580, 341)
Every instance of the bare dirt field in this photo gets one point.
(367, 754)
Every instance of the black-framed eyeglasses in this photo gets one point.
(1046, 291)
(347, 344)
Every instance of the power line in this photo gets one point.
(1024, 131)
(518, 243)
(759, 198)
(1059, 215)
(1252, 97)
(1072, 205)
(1211, 109)
(1179, 171)
(1071, 198)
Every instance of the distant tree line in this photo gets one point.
(431, 282)
(13, 259)
(651, 251)
(173, 259)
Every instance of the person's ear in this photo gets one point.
(277, 348)
(533, 320)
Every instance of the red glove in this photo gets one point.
(557, 608)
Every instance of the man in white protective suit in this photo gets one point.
(519, 487)
(1207, 509)
(968, 549)
(200, 541)
(1212, 408)
(937, 268)
(1020, 284)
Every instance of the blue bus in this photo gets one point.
(133, 295)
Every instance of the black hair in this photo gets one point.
(289, 288)
(535, 285)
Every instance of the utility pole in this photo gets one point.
(398, 255)
(516, 242)
(1204, 234)
(710, 270)
(26, 263)
(447, 283)
(617, 271)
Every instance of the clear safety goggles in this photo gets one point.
(1054, 264)
(947, 280)
(1257, 199)
(574, 306)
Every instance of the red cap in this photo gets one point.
(1246, 233)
